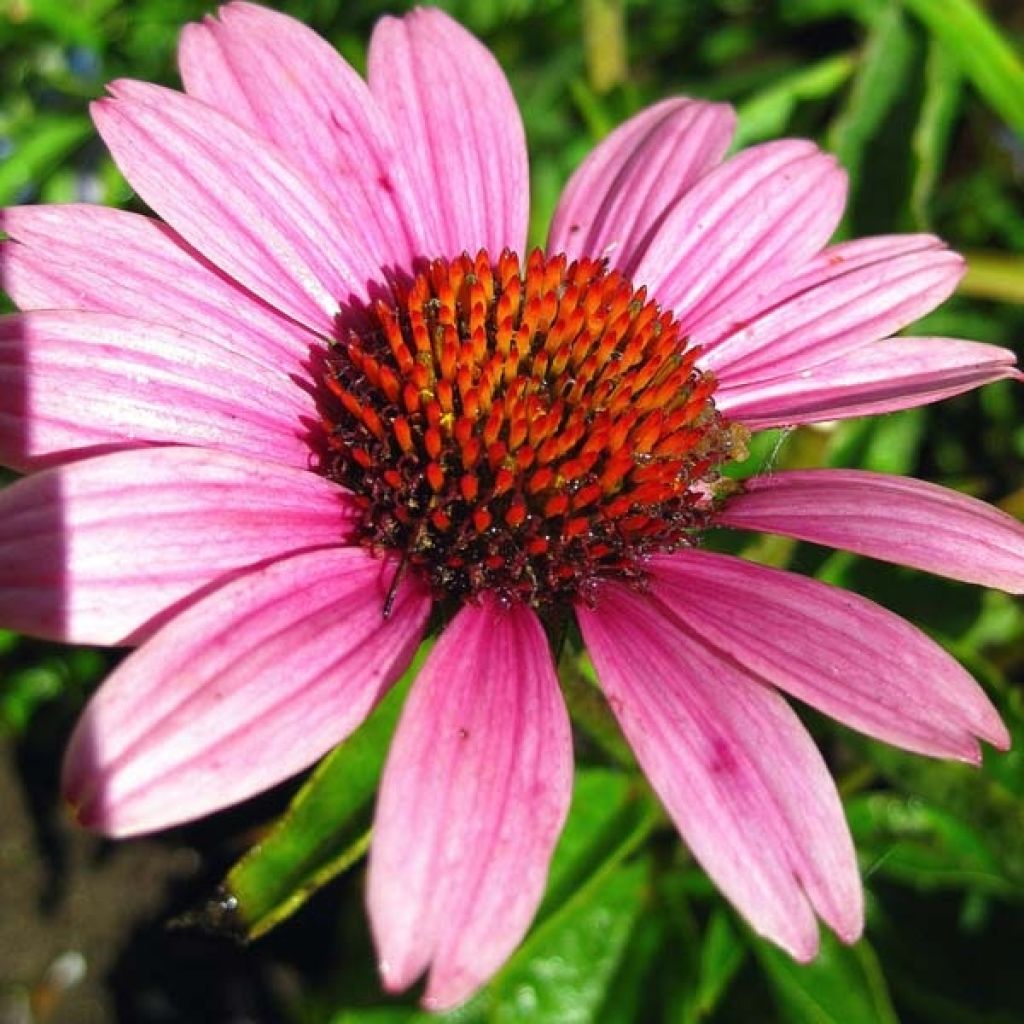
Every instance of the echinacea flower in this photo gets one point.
(329, 397)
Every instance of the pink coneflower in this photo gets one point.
(330, 396)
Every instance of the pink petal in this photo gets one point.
(109, 261)
(888, 517)
(280, 80)
(474, 795)
(238, 201)
(734, 768)
(102, 551)
(837, 651)
(742, 230)
(819, 269)
(898, 373)
(622, 192)
(459, 127)
(92, 381)
(840, 312)
(244, 689)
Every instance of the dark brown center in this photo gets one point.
(524, 431)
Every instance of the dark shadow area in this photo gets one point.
(113, 906)
(929, 943)
(37, 763)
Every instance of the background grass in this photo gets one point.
(923, 102)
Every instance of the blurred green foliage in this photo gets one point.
(923, 102)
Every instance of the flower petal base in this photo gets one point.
(524, 431)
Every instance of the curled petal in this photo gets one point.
(621, 193)
(837, 651)
(474, 795)
(245, 688)
(898, 373)
(821, 268)
(734, 767)
(887, 517)
(103, 550)
(742, 230)
(853, 306)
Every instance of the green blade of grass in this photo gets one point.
(983, 53)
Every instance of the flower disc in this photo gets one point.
(524, 431)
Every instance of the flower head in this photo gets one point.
(330, 397)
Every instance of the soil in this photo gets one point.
(86, 933)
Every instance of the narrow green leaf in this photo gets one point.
(326, 828)
(767, 114)
(653, 972)
(986, 57)
(721, 956)
(610, 817)
(587, 706)
(930, 142)
(844, 985)
(883, 81)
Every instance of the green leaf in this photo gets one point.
(610, 817)
(766, 115)
(986, 57)
(592, 901)
(563, 970)
(930, 142)
(326, 828)
(885, 444)
(911, 842)
(884, 81)
(51, 139)
(721, 956)
(844, 985)
(595, 892)
(655, 973)
(989, 802)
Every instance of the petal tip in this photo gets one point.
(397, 975)
(999, 737)
(803, 949)
(850, 928)
(448, 991)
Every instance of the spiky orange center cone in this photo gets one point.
(524, 431)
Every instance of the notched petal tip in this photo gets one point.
(803, 954)
(852, 937)
(392, 980)
(998, 736)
